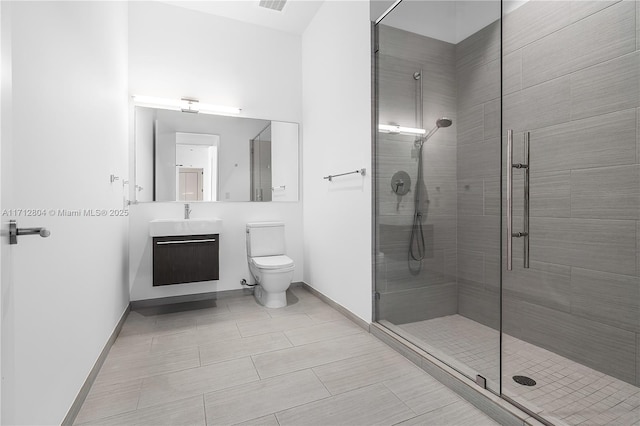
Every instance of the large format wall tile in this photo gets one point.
(492, 272)
(418, 304)
(607, 140)
(481, 47)
(532, 21)
(547, 58)
(638, 47)
(538, 106)
(479, 233)
(512, 72)
(585, 8)
(608, 298)
(471, 266)
(606, 193)
(491, 197)
(603, 36)
(479, 160)
(470, 197)
(492, 119)
(397, 91)
(542, 283)
(607, 87)
(478, 85)
(600, 346)
(604, 245)
(549, 194)
(471, 124)
(479, 304)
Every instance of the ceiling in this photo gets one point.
(294, 18)
(447, 20)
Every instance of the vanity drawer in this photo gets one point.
(185, 259)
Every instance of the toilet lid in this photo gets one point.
(272, 262)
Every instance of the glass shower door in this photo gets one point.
(437, 174)
(570, 274)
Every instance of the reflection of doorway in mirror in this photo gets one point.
(197, 152)
(190, 184)
(260, 150)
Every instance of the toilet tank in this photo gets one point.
(265, 239)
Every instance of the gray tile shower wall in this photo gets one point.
(571, 76)
(478, 173)
(414, 291)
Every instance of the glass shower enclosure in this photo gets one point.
(507, 197)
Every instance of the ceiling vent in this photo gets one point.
(273, 4)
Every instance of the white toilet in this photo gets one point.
(271, 268)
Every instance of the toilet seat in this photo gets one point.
(272, 262)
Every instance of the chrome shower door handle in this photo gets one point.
(525, 219)
(509, 200)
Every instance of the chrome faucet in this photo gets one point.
(187, 211)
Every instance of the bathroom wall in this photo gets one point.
(336, 69)
(411, 290)
(573, 81)
(65, 103)
(220, 61)
(478, 175)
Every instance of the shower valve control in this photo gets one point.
(401, 183)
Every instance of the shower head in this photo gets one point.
(440, 122)
(443, 122)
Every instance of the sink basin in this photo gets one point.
(177, 227)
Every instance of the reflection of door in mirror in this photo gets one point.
(196, 167)
(261, 166)
(190, 184)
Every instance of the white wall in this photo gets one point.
(174, 52)
(69, 133)
(284, 161)
(7, 335)
(336, 88)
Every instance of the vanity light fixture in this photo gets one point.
(388, 128)
(185, 105)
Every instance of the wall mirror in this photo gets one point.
(190, 157)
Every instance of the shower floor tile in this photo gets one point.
(565, 391)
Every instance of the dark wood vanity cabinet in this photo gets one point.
(185, 259)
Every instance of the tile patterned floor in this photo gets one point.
(240, 363)
(566, 392)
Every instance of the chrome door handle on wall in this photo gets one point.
(525, 233)
(14, 231)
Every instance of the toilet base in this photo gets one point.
(270, 300)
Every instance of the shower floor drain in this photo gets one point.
(524, 380)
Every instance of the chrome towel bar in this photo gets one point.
(361, 171)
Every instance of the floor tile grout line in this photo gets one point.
(128, 412)
(315, 366)
(255, 368)
(320, 380)
(402, 402)
(204, 408)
